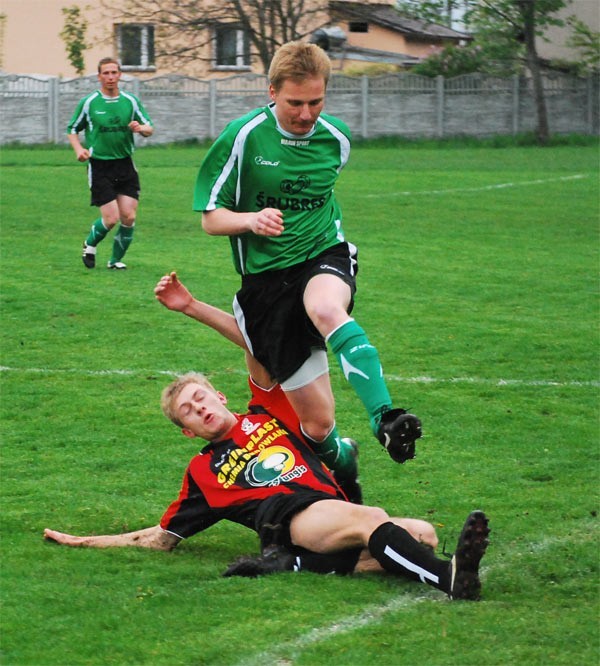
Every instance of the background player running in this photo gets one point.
(110, 118)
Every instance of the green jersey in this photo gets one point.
(255, 164)
(105, 121)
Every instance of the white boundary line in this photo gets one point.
(492, 382)
(288, 651)
(391, 378)
(483, 188)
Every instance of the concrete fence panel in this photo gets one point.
(37, 110)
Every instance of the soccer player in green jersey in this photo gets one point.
(268, 183)
(110, 118)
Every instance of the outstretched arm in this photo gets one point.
(175, 296)
(150, 537)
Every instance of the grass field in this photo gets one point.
(478, 284)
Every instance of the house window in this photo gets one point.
(231, 48)
(135, 43)
(358, 26)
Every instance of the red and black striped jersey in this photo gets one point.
(264, 454)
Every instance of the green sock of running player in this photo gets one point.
(121, 243)
(97, 232)
(361, 366)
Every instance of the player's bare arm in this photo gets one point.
(138, 128)
(151, 537)
(174, 295)
(82, 153)
(224, 222)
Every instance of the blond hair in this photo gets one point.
(172, 391)
(298, 61)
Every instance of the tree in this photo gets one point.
(73, 35)
(507, 29)
(186, 27)
(442, 12)
(587, 41)
(454, 61)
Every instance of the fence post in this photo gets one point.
(53, 131)
(439, 99)
(589, 111)
(364, 96)
(515, 105)
(212, 108)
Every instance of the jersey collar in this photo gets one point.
(289, 135)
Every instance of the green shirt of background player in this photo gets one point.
(110, 118)
(268, 183)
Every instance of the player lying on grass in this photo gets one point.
(175, 296)
(258, 471)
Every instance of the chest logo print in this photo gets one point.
(293, 187)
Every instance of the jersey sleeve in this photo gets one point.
(189, 513)
(140, 114)
(217, 179)
(78, 120)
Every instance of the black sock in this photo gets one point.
(397, 552)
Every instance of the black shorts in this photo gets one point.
(270, 312)
(278, 511)
(108, 178)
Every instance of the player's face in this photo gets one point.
(203, 413)
(109, 76)
(299, 103)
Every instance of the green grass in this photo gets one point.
(478, 283)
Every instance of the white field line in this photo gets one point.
(482, 188)
(390, 378)
(286, 653)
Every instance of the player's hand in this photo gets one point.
(83, 155)
(63, 539)
(172, 293)
(267, 222)
(138, 128)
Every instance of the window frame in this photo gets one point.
(242, 55)
(147, 50)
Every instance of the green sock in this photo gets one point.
(336, 454)
(121, 242)
(361, 366)
(97, 232)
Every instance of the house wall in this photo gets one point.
(384, 39)
(587, 11)
(31, 42)
(377, 38)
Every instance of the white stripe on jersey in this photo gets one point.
(136, 107)
(342, 138)
(237, 152)
(85, 112)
